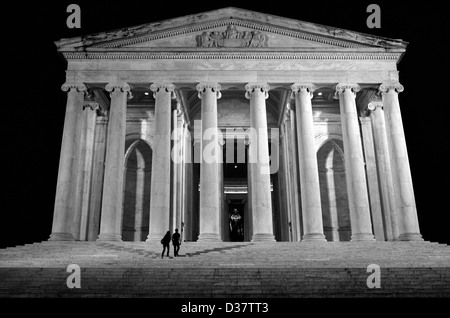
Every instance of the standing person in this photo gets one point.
(166, 243)
(176, 242)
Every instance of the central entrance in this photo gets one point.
(235, 210)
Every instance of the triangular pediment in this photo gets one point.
(229, 28)
(230, 33)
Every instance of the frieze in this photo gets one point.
(231, 37)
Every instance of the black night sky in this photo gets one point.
(33, 114)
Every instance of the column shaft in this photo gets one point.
(354, 164)
(112, 198)
(161, 161)
(372, 179)
(249, 229)
(403, 187)
(209, 170)
(62, 228)
(384, 170)
(296, 213)
(97, 178)
(173, 224)
(309, 173)
(259, 161)
(284, 179)
(287, 169)
(90, 119)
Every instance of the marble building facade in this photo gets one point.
(324, 103)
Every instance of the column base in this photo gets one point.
(368, 237)
(155, 238)
(314, 237)
(107, 237)
(209, 237)
(60, 236)
(410, 237)
(263, 237)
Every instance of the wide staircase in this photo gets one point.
(232, 270)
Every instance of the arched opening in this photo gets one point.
(333, 191)
(137, 182)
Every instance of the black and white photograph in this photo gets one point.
(225, 157)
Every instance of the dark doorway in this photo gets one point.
(235, 190)
(236, 222)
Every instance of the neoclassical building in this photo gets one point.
(233, 125)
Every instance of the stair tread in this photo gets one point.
(281, 269)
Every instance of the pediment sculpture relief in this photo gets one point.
(231, 37)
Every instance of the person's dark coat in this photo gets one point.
(166, 239)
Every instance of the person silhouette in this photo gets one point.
(176, 242)
(166, 243)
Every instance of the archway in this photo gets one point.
(137, 183)
(333, 191)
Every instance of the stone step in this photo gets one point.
(408, 269)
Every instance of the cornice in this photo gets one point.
(254, 55)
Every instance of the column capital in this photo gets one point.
(298, 87)
(91, 104)
(210, 86)
(342, 87)
(119, 86)
(374, 105)
(79, 87)
(253, 87)
(163, 87)
(386, 87)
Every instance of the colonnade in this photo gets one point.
(389, 141)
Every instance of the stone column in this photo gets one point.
(354, 164)
(160, 182)
(90, 120)
(209, 170)
(309, 173)
(384, 168)
(63, 214)
(297, 212)
(174, 218)
(223, 217)
(259, 161)
(112, 198)
(372, 178)
(249, 230)
(288, 200)
(403, 187)
(97, 177)
(283, 177)
(183, 179)
(188, 192)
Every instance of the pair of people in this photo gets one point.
(176, 242)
